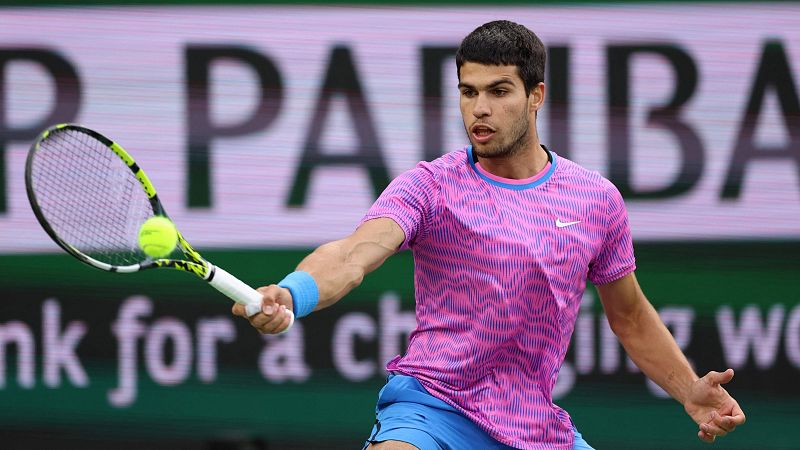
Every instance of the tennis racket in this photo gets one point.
(91, 197)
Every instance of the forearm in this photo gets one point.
(339, 266)
(651, 346)
(333, 269)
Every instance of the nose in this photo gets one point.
(481, 108)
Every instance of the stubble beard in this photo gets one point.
(520, 138)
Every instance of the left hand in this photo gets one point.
(712, 408)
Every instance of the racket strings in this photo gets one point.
(90, 198)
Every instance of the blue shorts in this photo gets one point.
(407, 412)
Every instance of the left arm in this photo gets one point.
(651, 346)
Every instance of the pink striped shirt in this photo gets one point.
(500, 269)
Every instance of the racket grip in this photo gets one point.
(241, 293)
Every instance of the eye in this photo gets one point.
(469, 93)
(500, 92)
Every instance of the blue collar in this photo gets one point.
(516, 187)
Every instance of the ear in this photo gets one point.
(536, 98)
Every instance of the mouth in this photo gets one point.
(481, 132)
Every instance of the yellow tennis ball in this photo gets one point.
(158, 237)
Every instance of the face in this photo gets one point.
(498, 115)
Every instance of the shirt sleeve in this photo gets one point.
(410, 200)
(615, 258)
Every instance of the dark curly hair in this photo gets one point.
(503, 42)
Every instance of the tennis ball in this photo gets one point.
(158, 237)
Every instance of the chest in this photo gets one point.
(553, 228)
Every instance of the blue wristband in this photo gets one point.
(305, 293)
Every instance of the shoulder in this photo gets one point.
(570, 172)
(446, 166)
(450, 162)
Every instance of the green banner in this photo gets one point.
(157, 356)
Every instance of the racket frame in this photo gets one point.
(196, 264)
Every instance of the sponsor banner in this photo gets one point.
(278, 126)
(160, 354)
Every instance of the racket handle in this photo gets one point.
(241, 293)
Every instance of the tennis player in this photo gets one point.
(504, 234)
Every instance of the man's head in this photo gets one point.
(500, 73)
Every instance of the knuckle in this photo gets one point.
(264, 290)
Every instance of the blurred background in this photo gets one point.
(269, 128)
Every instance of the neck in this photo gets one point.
(519, 165)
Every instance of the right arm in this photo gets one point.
(337, 268)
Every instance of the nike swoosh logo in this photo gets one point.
(561, 224)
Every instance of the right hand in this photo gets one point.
(274, 317)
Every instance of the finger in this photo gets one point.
(737, 415)
(705, 437)
(258, 320)
(238, 310)
(724, 422)
(287, 321)
(737, 419)
(271, 298)
(268, 307)
(720, 377)
(712, 429)
(265, 321)
(268, 302)
(278, 322)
